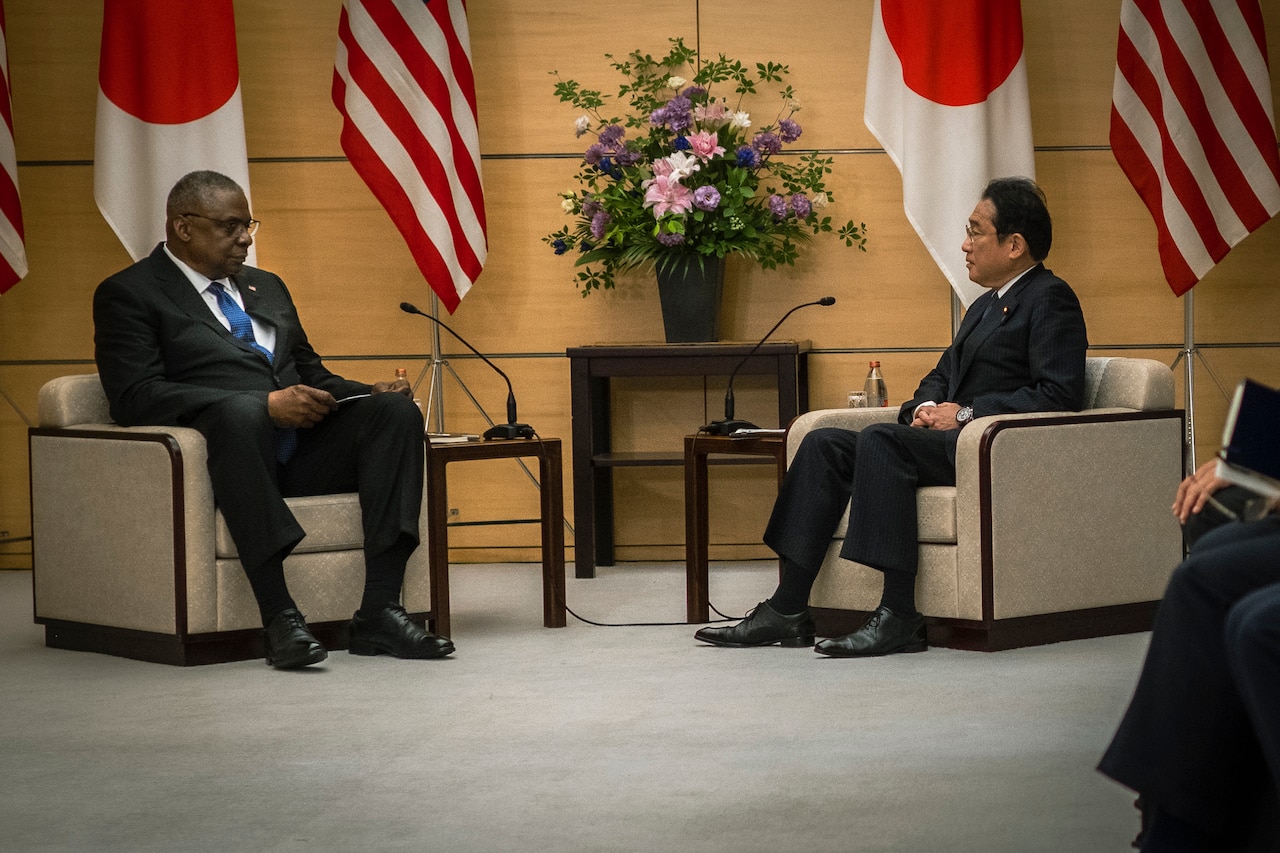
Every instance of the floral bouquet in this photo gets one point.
(687, 174)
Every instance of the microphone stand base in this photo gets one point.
(727, 427)
(508, 431)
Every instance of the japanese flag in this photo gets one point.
(947, 98)
(168, 104)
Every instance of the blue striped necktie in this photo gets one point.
(242, 328)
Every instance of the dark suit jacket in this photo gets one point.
(163, 356)
(1026, 355)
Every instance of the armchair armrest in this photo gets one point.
(108, 506)
(1071, 509)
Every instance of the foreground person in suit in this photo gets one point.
(1021, 348)
(1200, 742)
(190, 336)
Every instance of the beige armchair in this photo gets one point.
(132, 558)
(1058, 526)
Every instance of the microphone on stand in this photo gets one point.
(730, 425)
(511, 429)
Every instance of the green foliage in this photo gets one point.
(682, 169)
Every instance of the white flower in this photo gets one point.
(567, 204)
(682, 164)
(741, 119)
(820, 201)
(676, 82)
(580, 126)
(793, 104)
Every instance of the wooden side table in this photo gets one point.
(696, 450)
(551, 489)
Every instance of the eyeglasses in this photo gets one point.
(969, 231)
(230, 227)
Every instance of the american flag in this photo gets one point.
(403, 83)
(1192, 126)
(13, 249)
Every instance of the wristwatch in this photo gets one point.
(964, 415)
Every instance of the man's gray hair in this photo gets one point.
(196, 189)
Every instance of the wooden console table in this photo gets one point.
(591, 368)
(551, 490)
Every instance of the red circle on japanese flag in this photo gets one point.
(168, 63)
(955, 52)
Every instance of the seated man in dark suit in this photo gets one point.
(1021, 348)
(1200, 741)
(191, 336)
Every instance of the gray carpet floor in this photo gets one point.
(585, 738)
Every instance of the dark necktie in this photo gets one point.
(242, 328)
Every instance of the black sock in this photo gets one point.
(792, 595)
(384, 576)
(899, 593)
(267, 581)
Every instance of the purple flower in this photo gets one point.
(746, 156)
(767, 143)
(591, 208)
(670, 239)
(611, 136)
(675, 115)
(594, 154)
(627, 157)
(693, 92)
(778, 206)
(706, 198)
(801, 206)
(789, 129)
(560, 246)
(598, 223)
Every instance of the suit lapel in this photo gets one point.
(258, 305)
(969, 342)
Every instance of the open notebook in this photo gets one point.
(1250, 454)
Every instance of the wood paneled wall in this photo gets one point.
(348, 269)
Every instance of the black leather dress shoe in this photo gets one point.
(290, 643)
(884, 633)
(390, 632)
(763, 626)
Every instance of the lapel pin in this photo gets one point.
(255, 290)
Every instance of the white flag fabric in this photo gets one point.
(947, 98)
(1192, 127)
(403, 83)
(13, 247)
(168, 104)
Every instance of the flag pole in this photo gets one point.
(435, 393)
(1188, 353)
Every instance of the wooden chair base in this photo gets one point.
(1000, 634)
(189, 650)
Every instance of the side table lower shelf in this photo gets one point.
(696, 527)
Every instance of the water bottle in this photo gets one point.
(874, 389)
(402, 373)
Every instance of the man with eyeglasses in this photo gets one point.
(1021, 348)
(191, 336)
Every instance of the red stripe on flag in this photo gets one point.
(12, 232)
(1140, 172)
(430, 166)
(1187, 86)
(1237, 161)
(438, 152)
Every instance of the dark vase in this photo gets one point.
(690, 288)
